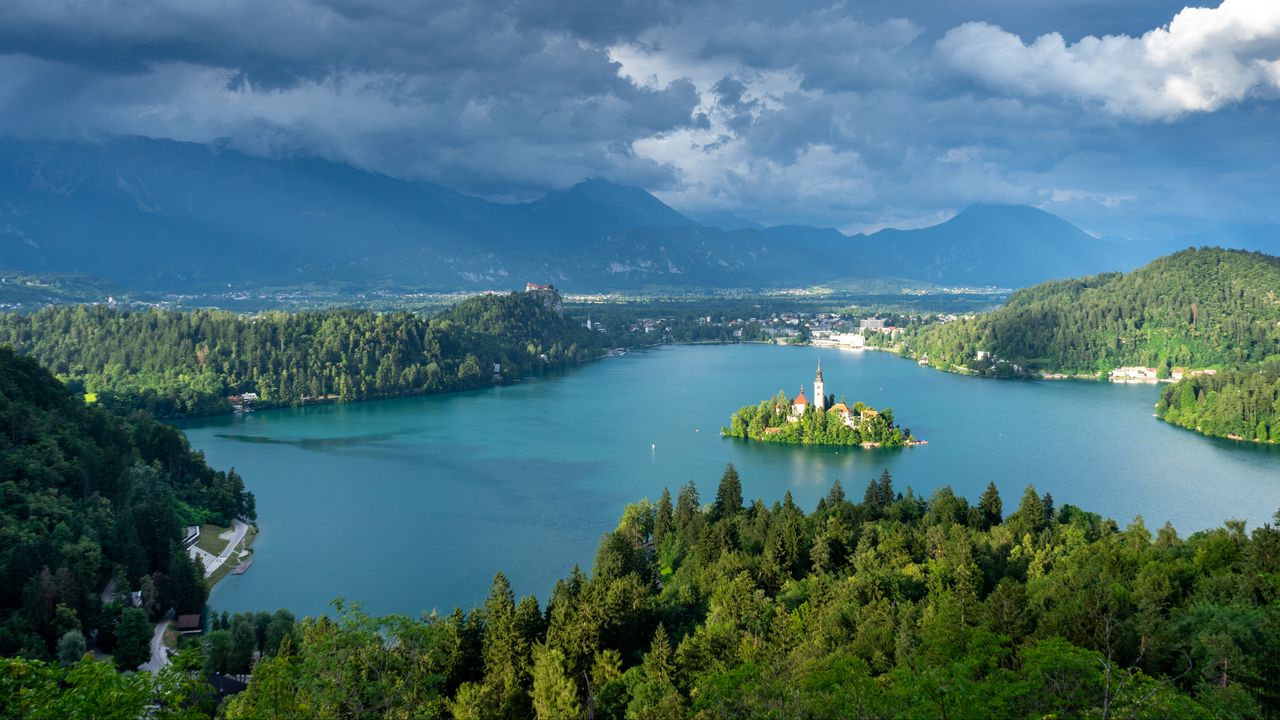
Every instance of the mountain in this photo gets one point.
(1195, 308)
(1006, 245)
(162, 215)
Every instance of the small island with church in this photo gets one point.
(822, 421)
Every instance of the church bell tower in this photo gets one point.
(819, 390)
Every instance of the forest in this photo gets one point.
(894, 606)
(89, 497)
(174, 364)
(770, 421)
(1240, 404)
(1198, 308)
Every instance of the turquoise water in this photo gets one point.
(411, 505)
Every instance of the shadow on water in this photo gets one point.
(327, 443)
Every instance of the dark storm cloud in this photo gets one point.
(1120, 115)
(355, 81)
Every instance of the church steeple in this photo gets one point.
(819, 390)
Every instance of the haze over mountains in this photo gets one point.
(163, 215)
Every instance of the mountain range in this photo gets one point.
(163, 215)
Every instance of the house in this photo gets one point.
(873, 324)
(189, 624)
(535, 287)
(846, 415)
(982, 355)
(1133, 374)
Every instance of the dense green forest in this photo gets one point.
(87, 496)
(895, 606)
(187, 363)
(770, 421)
(1196, 308)
(1241, 404)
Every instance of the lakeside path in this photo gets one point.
(212, 563)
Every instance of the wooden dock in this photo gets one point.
(241, 568)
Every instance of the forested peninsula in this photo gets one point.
(894, 606)
(1196, 309)
(779, 420)
(1237, 404)
(177, 363)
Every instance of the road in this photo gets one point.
(159, 654)
(211, 563)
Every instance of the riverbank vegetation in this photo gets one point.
(91, 497)
(175, 363)
(892, 606)
(1239, 404)
(773, 421)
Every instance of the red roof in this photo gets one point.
(800, 399)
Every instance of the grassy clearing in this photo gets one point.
(231, 562)
(209, 540)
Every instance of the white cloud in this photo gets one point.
(1203, 60)
(1068, 195)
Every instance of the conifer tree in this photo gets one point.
(728, 495)
(555, 695)
(990, 507)
(664, 519)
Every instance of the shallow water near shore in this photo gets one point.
(413, 504)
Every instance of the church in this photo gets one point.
(800, 404)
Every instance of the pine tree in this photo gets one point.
(554, 694)
(990, 507)
(728, 495)
(688, 512)
(836, 496)
(1030, 516)
(664, 520)
(879, 495)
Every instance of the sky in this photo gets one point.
(1142, 118)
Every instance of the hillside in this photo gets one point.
(1238, 404)
(87, 496)
(186, 363)
(161, 215)
(894, 606)
(1196, 308)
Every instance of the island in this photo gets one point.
(820, 422)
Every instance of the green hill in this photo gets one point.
(88, 496)
(187, 363)
(1196, 308)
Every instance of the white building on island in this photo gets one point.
(849, 416)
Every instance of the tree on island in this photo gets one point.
(776, 420)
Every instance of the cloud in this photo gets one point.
(415, 90)
(820, 112)
(1203, 60)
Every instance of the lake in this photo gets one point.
(411, 505)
